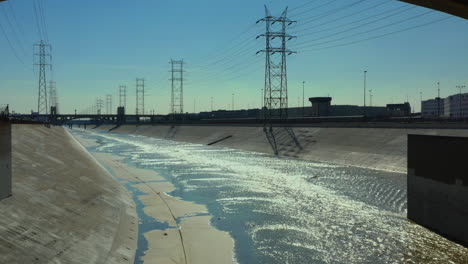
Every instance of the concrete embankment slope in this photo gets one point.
(65, 207)
(377, 148)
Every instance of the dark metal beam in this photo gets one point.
(454, 7)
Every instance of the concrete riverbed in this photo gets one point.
(105, 197)
(283, 210)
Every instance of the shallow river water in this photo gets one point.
(281, 210)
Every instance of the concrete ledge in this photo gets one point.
(5, 160)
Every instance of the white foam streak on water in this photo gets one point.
(319, 218)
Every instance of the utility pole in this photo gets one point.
(140, 96)
(42, 50)
(438, 99)
(177, 86)
(108, 104)
(365, 80)
(123, 96)
(276, 81)
(303, 104)
(460, 100)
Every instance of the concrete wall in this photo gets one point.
(438, 185)
(5, 160)
(65, 207)
(378, 148)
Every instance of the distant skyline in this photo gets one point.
(100, 45)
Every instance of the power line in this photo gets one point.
(229, 63)
(36, 16)
(43, 21)
(240, 47)
(301, 6)
(331, 12)
(365, 24)
(368, 31)
(18, 28)
(380, 36)
(232, 42)
(315, 8)
(15, 36)
(14, 17)
(221, 74)
(352, 22)
(11, 46)
(346, 16)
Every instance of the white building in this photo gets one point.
(433, 108)
(454, 106)
(458, 105)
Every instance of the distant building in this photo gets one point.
(399, 109)
(453, 106)
(433, 108)
(321, 106)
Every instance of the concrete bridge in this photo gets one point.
(454, 7)
(62, 118)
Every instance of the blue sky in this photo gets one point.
(99, 45)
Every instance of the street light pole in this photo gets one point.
(438, 99)
(303, 104)
(460, 100)
(365, 79)
(420, 99)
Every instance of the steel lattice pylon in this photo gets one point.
(276, 82)
(98, 107)
(109, 104)
(140, 97)
(177, 86)
(123, 96)
(43, 52)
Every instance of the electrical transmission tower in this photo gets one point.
(109, 104)
(42, 50)
(123, 96)
(53, 98)
(140, 97)
(99, 105)
(276, 82)
(177, 85)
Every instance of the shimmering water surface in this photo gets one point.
(281, 210)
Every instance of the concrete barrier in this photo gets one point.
(438, 184)
(5, 160)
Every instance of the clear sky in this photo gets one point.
(99, 45)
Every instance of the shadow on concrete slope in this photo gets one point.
(285, 142)
(171, 133)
